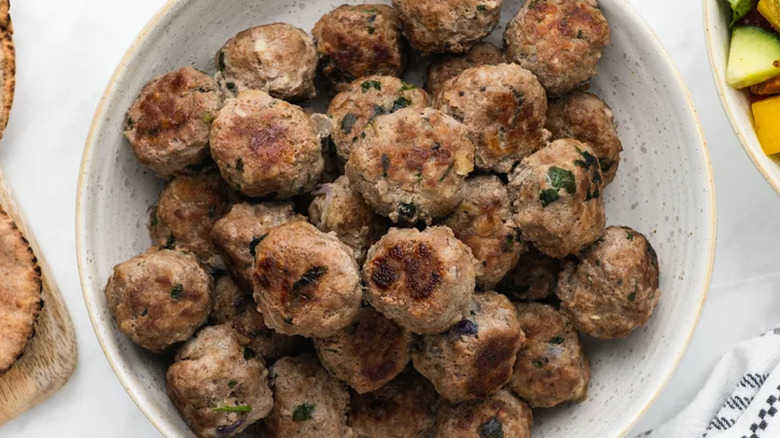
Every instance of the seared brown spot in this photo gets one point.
(418, 265)
(264, 137)
(492, 365)
(383, 275)
(161, 106)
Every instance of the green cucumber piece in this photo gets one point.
(754, 56)
(740, 8)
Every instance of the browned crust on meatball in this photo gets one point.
(367, 354)
(613, 289)
(355, 41)
(450, 66)
(585, 117)
(20, 292)
(533, 278)
(551, 367)
(502, 414)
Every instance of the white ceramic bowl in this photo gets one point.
(664, 189)
(736, 103)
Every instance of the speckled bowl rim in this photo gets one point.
(92, 306)
(718, 76)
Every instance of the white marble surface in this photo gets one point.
(67, 51)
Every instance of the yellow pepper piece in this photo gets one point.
(766, 114)
(770, 9)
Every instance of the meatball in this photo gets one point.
(412, 165)
(585, 117)
(560, 41)
(533, 278)
(484, 222)
(236, 307)
(454, 26)
(475, 357)
(266, 147)
(551, 366)
(358, 41)
(217, 389)
(367, 354)
(501, 415)
(366, 99)
(160, 298)
(309, 403)
(404, 408)
(450, 66)
(239, 232)
(337, 208)
(504, 106)
(168, 125)
(613, 288)
(277, 58)
(306, 282)
(423, 280)
(556, 193)
(188, 208)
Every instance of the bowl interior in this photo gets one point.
(663, 189)
(736, 103)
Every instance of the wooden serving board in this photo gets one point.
(50, 357)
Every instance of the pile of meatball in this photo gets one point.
(416, 262)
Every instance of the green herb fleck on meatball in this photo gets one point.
(303, 412)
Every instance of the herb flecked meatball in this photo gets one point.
(585, 117)
(501, 415)
(560, 41)
(188, 208)
(450, 66)
(411, 165)
(277, 58)
(363, 101)
(306, 282)
(613, 288)
(309, 403)
(484, 222)
(505, 108)
(160, 298)
(266, 147)
(218, 390)
(447, 26)
(556, 194)
(367, 354)
(551, 366)
(533, 278)
(423, 280)
(168, 125)
(355, 41)
(475, 357)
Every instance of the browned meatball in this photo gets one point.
(404, 408)
(484, 222)
(363, 101)
(556, 194)
(306, 282)
(266, 147)
(533, 278)
(551, 366)
(501, 415)
(421, 280)
(237, 308)
(587, 118)
(560, 41)
(160, 298)
(277, 58)
(475, 357)
(337, 208)
(439, 26)
(239, 232)
(358, 41)
(309, 403)
(450, 66)
(168, 125)
(218, 390)
(613, 289)
(367, 354)
(411, 165)
(505, 108)
(188, 208)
